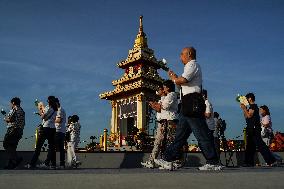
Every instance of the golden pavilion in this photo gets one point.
(134, 89)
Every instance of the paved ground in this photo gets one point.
(230, 178)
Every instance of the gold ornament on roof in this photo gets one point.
(141, 39)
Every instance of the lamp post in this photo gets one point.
(105, 139)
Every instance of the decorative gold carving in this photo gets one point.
(140, 97)
(113, 103)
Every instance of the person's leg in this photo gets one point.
(264, 149)
(48, 157)
(157, 143)
(60, 145)
(217, 146)
(69, 154)
(39, 144)
(164, 146)
(75, 158)
(10, 147)
(183, 130)
(51, 145)
(250, 150)
(171, 131)
(72, 152)
(205, 139)
(17, 135)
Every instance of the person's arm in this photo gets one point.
(47, 114)
(189, 72)
(155, 105)
(248, 113)
(167, 102)
(11, 116)
(177, 80)
(58, 117)
(208, 113)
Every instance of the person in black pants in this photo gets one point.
(60, 126)
(253, 132)
(15, 125)
(47, 132)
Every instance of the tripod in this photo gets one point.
(227, 151)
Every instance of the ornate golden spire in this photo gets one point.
(141, 39)
(141, 24)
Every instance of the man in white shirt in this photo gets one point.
(191, 82)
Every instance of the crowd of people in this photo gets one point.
(53, 128)
(196, 116)
(177, 117)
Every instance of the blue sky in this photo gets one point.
(70, 48)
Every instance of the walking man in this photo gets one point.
(16, 122)
(192, 117)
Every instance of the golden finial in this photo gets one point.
(141, 24)
(141, 39)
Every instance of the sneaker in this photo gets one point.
(76, 164)
(43, 166)
(210, 167)
(164, 164)
(275, 164)
(52, 167)
(148, 164)
(177, 165)
(29, 166)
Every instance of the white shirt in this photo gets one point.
(266, 120)
(61, 127)
(192, 73)
(160, 115)
(170, 106)
(209, 109)
(74, 129)
(50, 115)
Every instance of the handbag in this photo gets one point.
(193, 105)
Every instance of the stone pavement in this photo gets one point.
(140, 178)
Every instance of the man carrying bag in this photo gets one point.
(192, 117)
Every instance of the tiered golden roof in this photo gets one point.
(140, 69)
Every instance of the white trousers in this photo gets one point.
(71, 156)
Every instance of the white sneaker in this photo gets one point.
(28, 166)
(43, 166)
(177, 164)
(210, 167)
(164, 164)
(148, 164)
(76, 164)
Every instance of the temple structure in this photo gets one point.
(138, 85)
